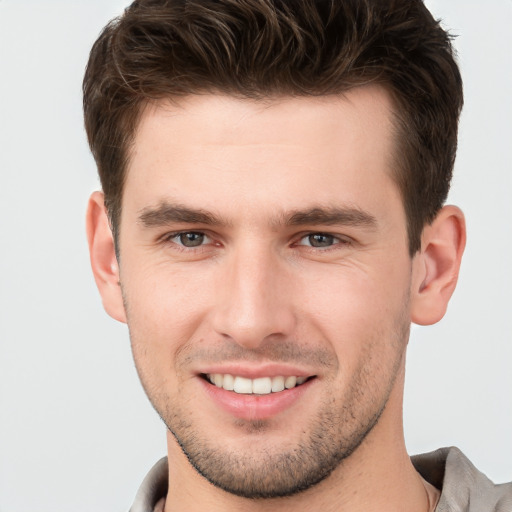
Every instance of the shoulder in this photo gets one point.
(463, 487)
(153, 488)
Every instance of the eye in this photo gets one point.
(190, 239)
(320, 240)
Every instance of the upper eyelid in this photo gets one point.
(172, 234)
(337, 236)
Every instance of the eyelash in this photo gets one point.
(168, 238)
(337, 241)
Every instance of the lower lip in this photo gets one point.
(255, 407)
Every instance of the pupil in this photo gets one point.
(320, 240)
(191, 239)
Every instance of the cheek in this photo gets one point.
(165, 311)
(165, 299)
(354, 307)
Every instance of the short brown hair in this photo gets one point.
(270, 48)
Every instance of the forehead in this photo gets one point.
(220, 119)
(210, 148)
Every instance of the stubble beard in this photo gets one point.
(331, 436)
(267, 473)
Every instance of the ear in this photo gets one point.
(436, 266)
(103, 257)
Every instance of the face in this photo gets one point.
(266, 279)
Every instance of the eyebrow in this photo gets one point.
(167, 213)
(332, 216)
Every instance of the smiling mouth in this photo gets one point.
(259, 386)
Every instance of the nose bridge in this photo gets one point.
(252, 303)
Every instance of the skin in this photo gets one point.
(255, 297)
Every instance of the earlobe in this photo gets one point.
(103, 257)
(436, 266)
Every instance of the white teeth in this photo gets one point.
(229, 382)
(290, 382)
(242, 385)
(262, 386)
(277, 384)
(259, 386)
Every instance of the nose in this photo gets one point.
(254, 301)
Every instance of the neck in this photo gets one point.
(378, 475)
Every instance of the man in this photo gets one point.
(272, 219)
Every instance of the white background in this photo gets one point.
(76, 431)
